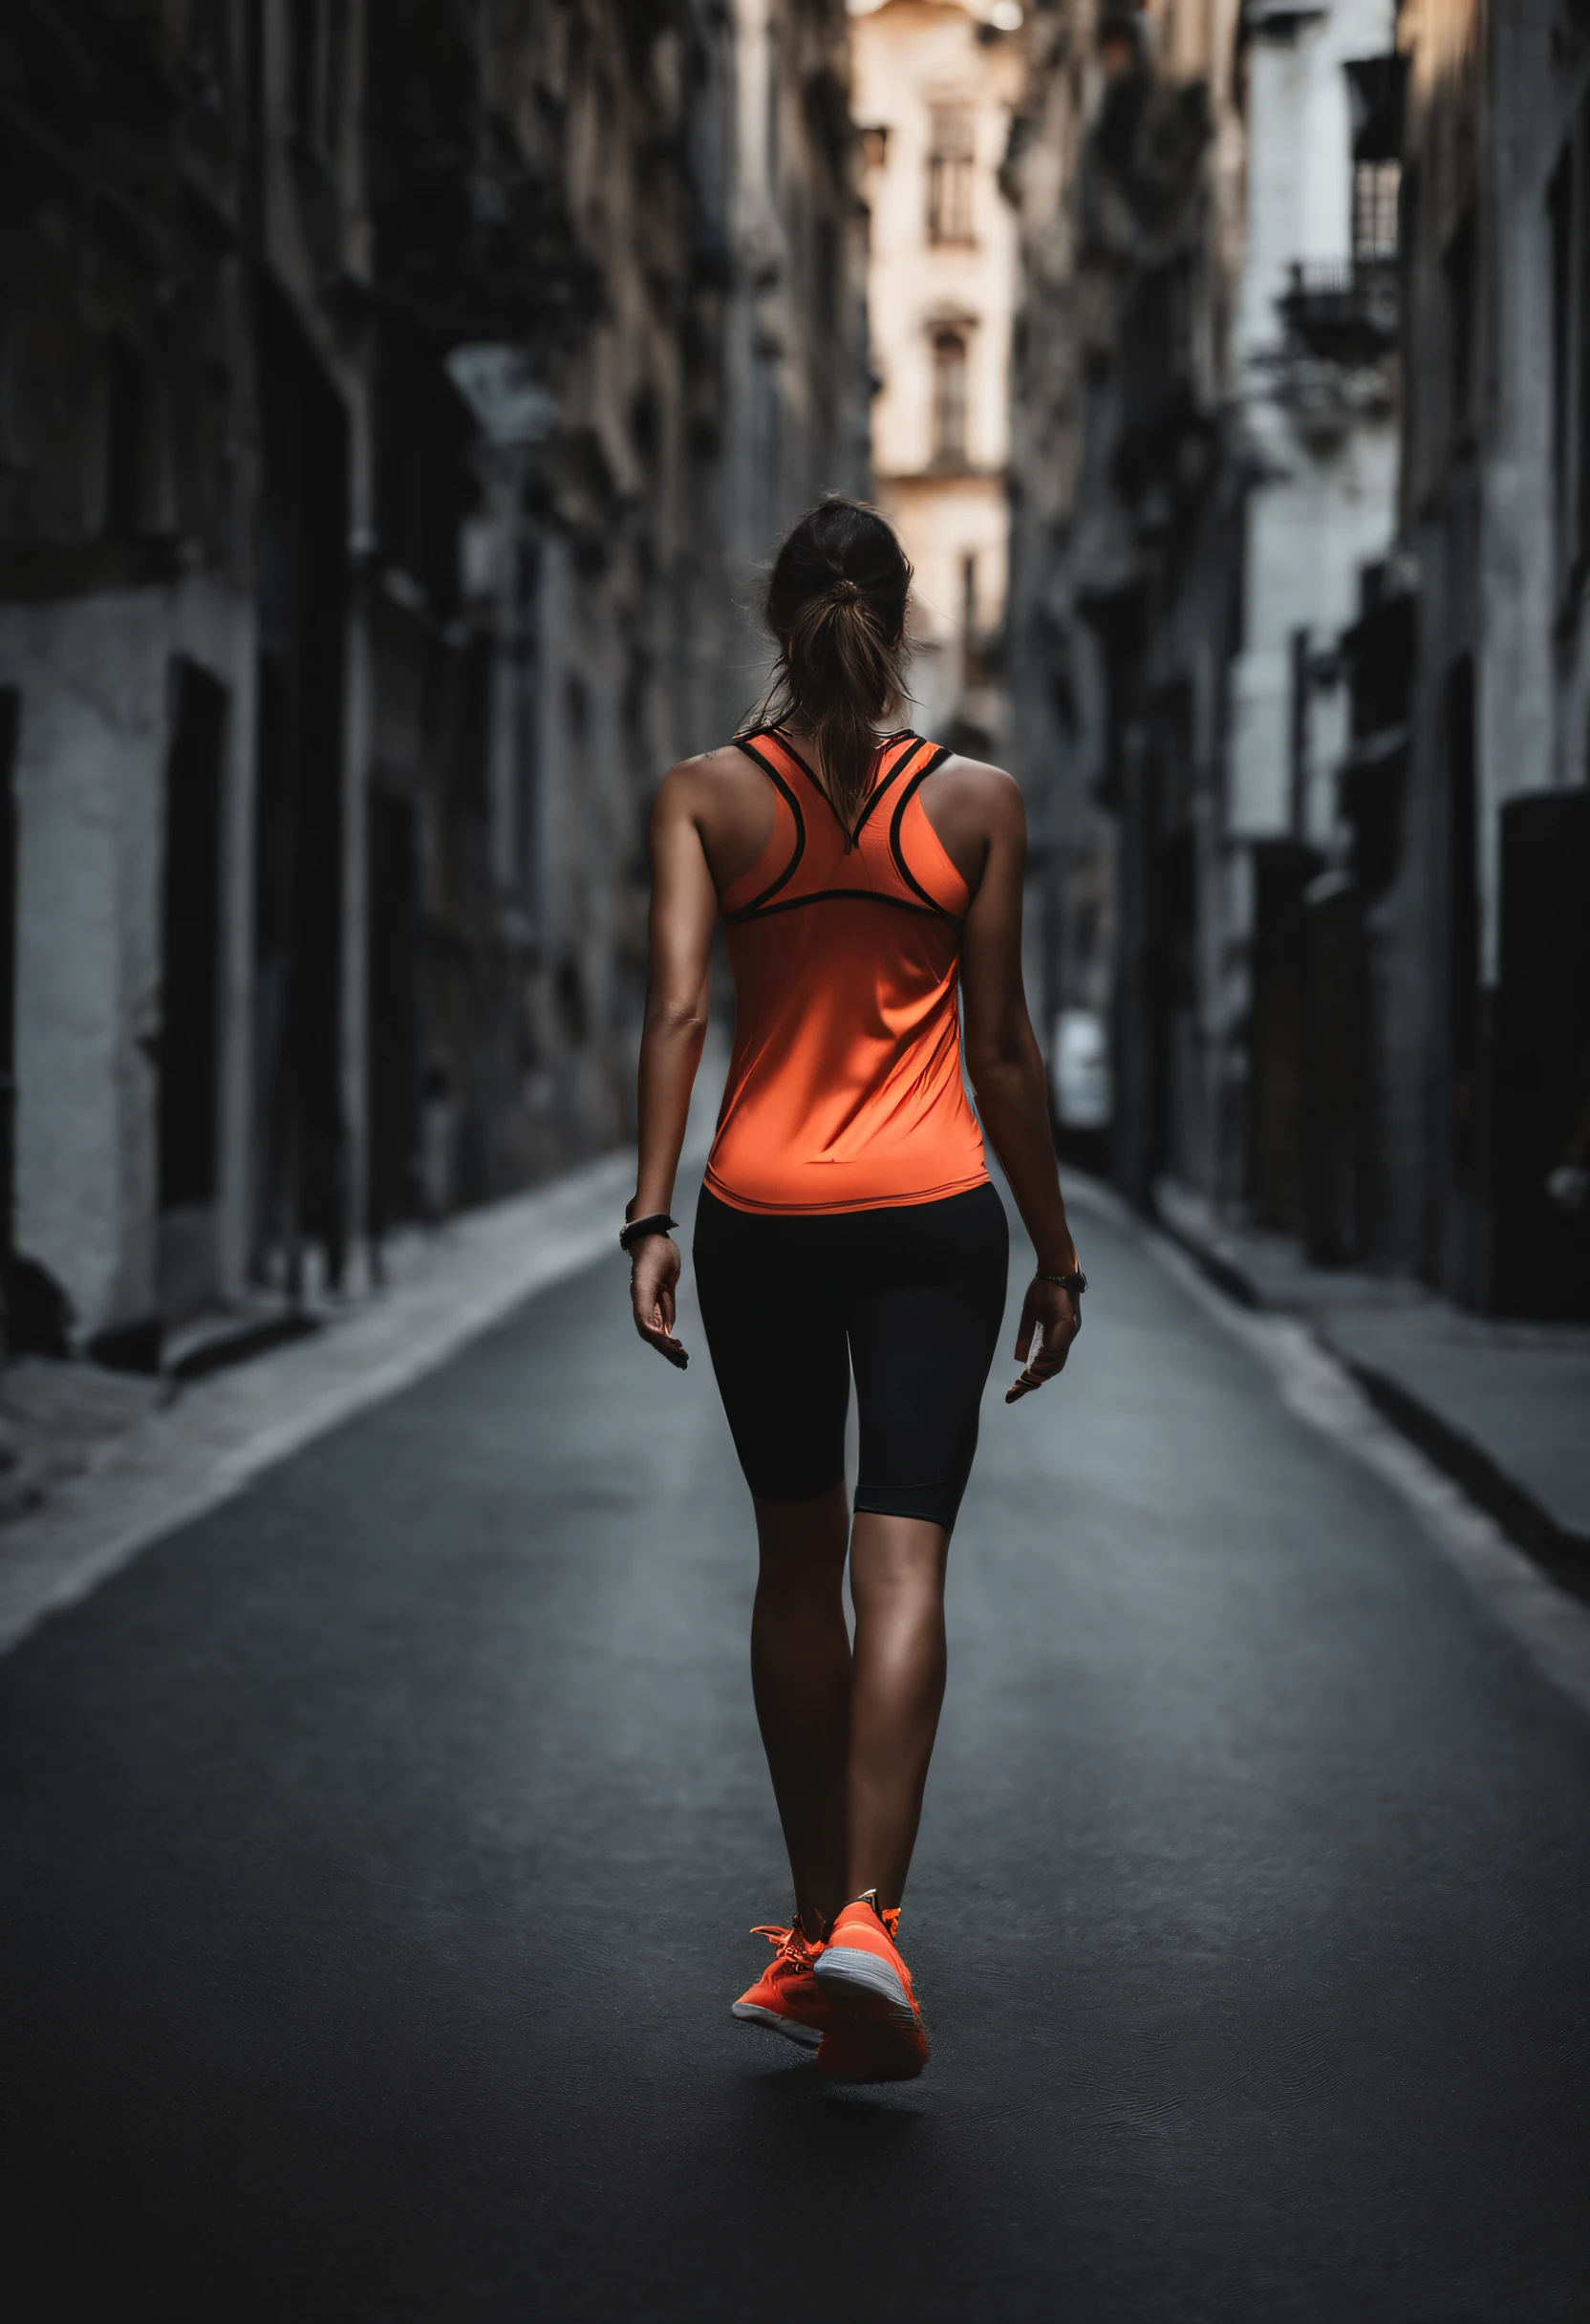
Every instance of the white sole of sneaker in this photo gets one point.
(752, 2013)
(848, 1975)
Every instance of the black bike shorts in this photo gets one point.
(911, 1299)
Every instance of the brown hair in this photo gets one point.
(836, 605)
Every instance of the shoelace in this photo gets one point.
(791, 1947)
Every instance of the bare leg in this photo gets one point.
(801, 1679)
(897, 1583)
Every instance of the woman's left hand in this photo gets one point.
(1050, 1314)
(653, 1276)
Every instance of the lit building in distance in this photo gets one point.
(935, 85)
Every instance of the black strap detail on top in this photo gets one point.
(894, 849)
(873, 795)
(836, 895)
(763, 905)
(878, 788)
(747, 744)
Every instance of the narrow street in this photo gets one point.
(378, 1853)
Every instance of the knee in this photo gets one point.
(796, 1601)
(801, 1543)
(904, 1609)
(899, 1563)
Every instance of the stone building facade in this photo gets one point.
(1314, 376)
(395, 403)
(1298, 636)
(1123, 171)
(935, 87)
(1483, 1042)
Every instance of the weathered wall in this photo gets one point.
(1498, 167)
(123, 545)
(436, 380)
(1122, 173)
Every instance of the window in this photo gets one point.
(1559, 212)
(1458, 268)
(333, 80)
(303, 62)
(317, 55)
(951, 153)
(1375, 190)
(1579, 324)
(530, 851)
(771, 122)
(767, 444)
(824, 274)
(949, 399)
(124, 405)
(212, 41)
(8, 342)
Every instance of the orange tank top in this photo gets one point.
(845, 1089)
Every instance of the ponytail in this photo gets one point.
(836, 605)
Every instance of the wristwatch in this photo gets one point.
(636, 1230)
(1075, 1283)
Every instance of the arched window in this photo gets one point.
(949, 399)
(951, 149)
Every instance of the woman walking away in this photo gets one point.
(848, 1224)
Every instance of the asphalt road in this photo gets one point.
(376, 1859)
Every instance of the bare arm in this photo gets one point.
(1006, 1069)
(684, 913)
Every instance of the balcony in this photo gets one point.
(1343, 312)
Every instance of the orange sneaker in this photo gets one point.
(876, 2033)
(786, 1996)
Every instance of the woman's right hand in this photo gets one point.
(654, 1277)
(1050, 1314)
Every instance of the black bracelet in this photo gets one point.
(1075, 1283)
(657, 1222)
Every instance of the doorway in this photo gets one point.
(189, 1110)
(1541, 1159)
(1463, 919)
(11, 721)
(300, 1170)
(1279, 1164)
(393, 937)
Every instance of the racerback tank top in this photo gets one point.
(845, 1089)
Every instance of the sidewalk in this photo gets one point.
(95, 1465)
(100, 1464)
(1504, 1408)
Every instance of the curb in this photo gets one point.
(231, 1423)
(188, 1456)
(1561, 1551)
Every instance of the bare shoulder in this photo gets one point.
(970, 802)
(722, 798)
(976, 815)
(977, 783)
(696, 785)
